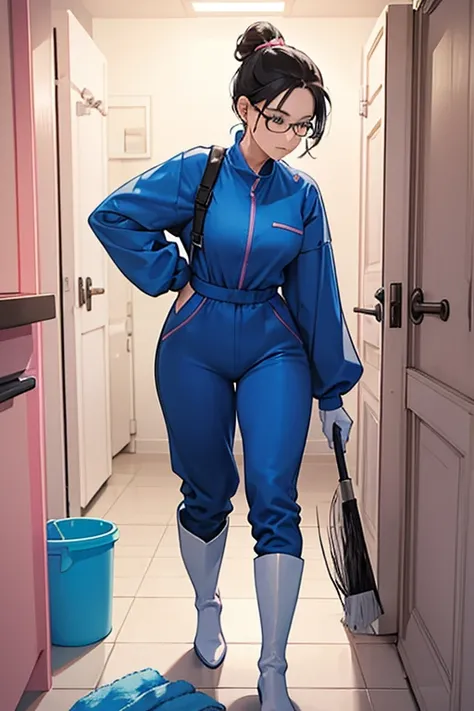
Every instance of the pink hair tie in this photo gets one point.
(273, 43)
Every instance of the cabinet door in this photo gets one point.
(18, 620)
(9, 272)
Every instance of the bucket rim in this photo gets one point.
(111, 533)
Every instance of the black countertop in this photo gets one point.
(25, 309)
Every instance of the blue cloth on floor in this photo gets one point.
(147, 690)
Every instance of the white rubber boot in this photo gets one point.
(203, 564)
(277, 581)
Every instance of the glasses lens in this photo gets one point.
(302, 130)
(274, 125)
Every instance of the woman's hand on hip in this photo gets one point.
(183, 297)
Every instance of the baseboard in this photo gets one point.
(314, 447)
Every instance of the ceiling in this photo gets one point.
(182, 8)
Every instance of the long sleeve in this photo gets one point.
(312, 293)
(130, 224)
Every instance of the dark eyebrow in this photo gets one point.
(280, 111)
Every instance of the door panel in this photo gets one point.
(383, 250)
(436, 637)
(439, 474)
(444, 271)
(370, 463)
(370, 332)
(83, 174)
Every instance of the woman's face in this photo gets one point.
(269, 126)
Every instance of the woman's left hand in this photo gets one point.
(184, 295)
(339, 417)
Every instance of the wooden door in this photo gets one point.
(385, 109)
(437, 630)
(83, 185)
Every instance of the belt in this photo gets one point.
(232, 296)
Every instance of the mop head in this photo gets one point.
(361, 611)
(147, 690)
(351, 572)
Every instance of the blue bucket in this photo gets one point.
(81, 578)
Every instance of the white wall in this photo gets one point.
(186, 66)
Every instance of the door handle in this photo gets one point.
(16, 387)
(419, 308)
(86, 293)
(90, 292)
(377, 311)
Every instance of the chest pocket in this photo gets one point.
(288, 228)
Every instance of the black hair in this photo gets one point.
(274, 70)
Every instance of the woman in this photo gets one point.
(231, 345)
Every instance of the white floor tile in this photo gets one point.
(124, 514)
(167, 620)
(120, 479)
(310, 666)
(79, 668)
(140, 535)
(121, 609)
(104, 501)
(159, 620)
(127, 463)
(56, 700)
(303, 699)
(126, 587)
(122, 551)
(314, 621)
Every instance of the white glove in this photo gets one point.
(339, 417)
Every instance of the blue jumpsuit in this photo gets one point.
(237, 347)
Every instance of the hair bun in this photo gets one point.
(253, 37)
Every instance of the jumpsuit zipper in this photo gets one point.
(253, 211)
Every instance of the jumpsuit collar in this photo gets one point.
(237, 160)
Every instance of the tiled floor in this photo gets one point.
(154, 616)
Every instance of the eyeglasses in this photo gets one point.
(277, 124)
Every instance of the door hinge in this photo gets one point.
(129, 345)
(363, 101)
(133, 427)
(129, 309)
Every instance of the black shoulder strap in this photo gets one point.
(204, 195)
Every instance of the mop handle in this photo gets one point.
(339, 451)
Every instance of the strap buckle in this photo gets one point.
(203, 197)
(196, 240)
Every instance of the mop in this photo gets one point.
(352, 574)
